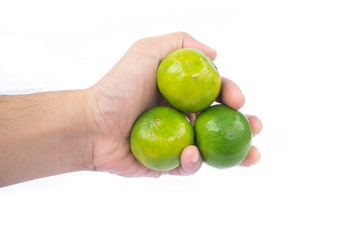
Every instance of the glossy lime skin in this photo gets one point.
(159, 136)
(189, 80)
(223, 136)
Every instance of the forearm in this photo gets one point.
(41, 135)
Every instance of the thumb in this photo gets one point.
(190, 162)
(159, 47)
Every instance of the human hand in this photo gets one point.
(128, 90)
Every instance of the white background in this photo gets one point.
(298, 64)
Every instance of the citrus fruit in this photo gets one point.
(223, 136)
(159, 136)
(189, 80)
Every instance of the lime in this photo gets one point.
(223, 136)
(189, 80)
(159, 136)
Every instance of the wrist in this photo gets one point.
(79, 129)
(92, 132)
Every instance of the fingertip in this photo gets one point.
(236, 99)
(190, 160)
(255, 123)
(231, 94)
(190, 42)
(212, 53)
(253, 157)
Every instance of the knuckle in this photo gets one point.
(141, 42)
(181, 33)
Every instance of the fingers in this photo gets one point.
(252, 158)
(255, 123)
(230, 94)
(190, 42)
(190, 162)
(159, 47)
(191, 159)
(254, 154)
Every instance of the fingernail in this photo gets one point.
(195, 159)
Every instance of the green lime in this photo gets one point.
(159, 136)
(223, 136)
(189, 80)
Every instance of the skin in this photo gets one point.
(51, 133)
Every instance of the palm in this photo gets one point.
(139, 93)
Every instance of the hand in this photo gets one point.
(128, 90)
